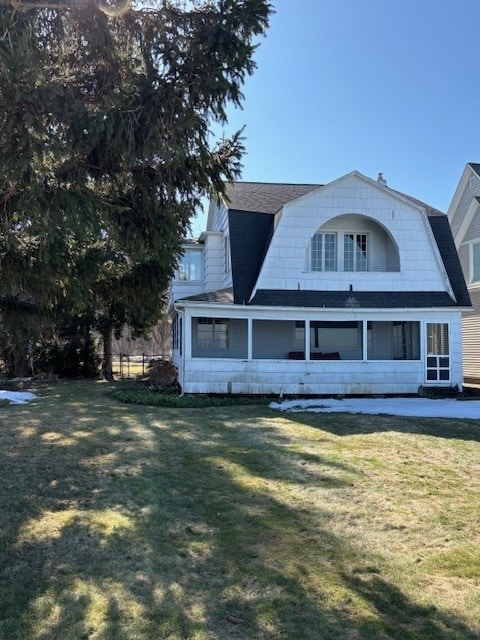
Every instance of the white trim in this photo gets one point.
(244, 311)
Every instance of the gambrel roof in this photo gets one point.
(251, 210)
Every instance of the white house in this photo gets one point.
(464, 217)
(344, 288)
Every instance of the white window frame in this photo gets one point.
(356, 250)
(184, 272)
(219, 338)
(324, 264)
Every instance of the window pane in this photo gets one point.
(183, 270)
(195, 265)
(437, 339)
(361, 252)
(348, 252)
(397, 340)
(316, 252)
(329, 251)
(342, 337)
(190, 267)
(212, 333)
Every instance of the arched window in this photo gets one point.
(352, 243)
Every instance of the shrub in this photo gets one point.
(137, 394)
(163, 375)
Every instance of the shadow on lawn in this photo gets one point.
(123, 522)
(347, 424)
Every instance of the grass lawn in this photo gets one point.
(121, 522)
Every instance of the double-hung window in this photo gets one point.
(355, 252)
(323, 252)
(212, 333)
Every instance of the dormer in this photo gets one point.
(352, 243)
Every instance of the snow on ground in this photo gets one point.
(17, 397)
(417, 407)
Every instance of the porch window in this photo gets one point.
(190, 267)
(397, 340)
(323, 252)
(336, 339)
(476, 262)
(278, 340)
(438, 352)
(212, 333)
(175, 332)
(355, 252)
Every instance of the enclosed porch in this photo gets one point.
(314, 356)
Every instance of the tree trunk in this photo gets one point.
(17, 361)
(107, 364)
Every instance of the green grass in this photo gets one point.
(123, 522)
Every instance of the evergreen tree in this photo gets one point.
(105, 146)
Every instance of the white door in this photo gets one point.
(437, 360)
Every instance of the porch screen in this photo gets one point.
(344, 338)
(397, 340)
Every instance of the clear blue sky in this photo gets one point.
(372, 85)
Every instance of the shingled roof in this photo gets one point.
(475, 166)
(251, 205)
(353, 299)
(264, 197)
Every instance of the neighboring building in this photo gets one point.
(345, 288)
(464, 217)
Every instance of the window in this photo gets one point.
(175, 332)
(212, 333)
(180, 335)
(355, 252)
(344, 338)
(323, 252)
(438, 352)
(476, 262)
(190, 267)
(397, 340)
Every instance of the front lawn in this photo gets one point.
(122, 522)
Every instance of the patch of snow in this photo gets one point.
(17, 397)
(411, 407)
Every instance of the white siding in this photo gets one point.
(471, 338)
(219, 219)
(213, 265)
(285, 263)
(293, 377)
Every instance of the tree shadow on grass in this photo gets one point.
(121, 523)
(347, 424)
